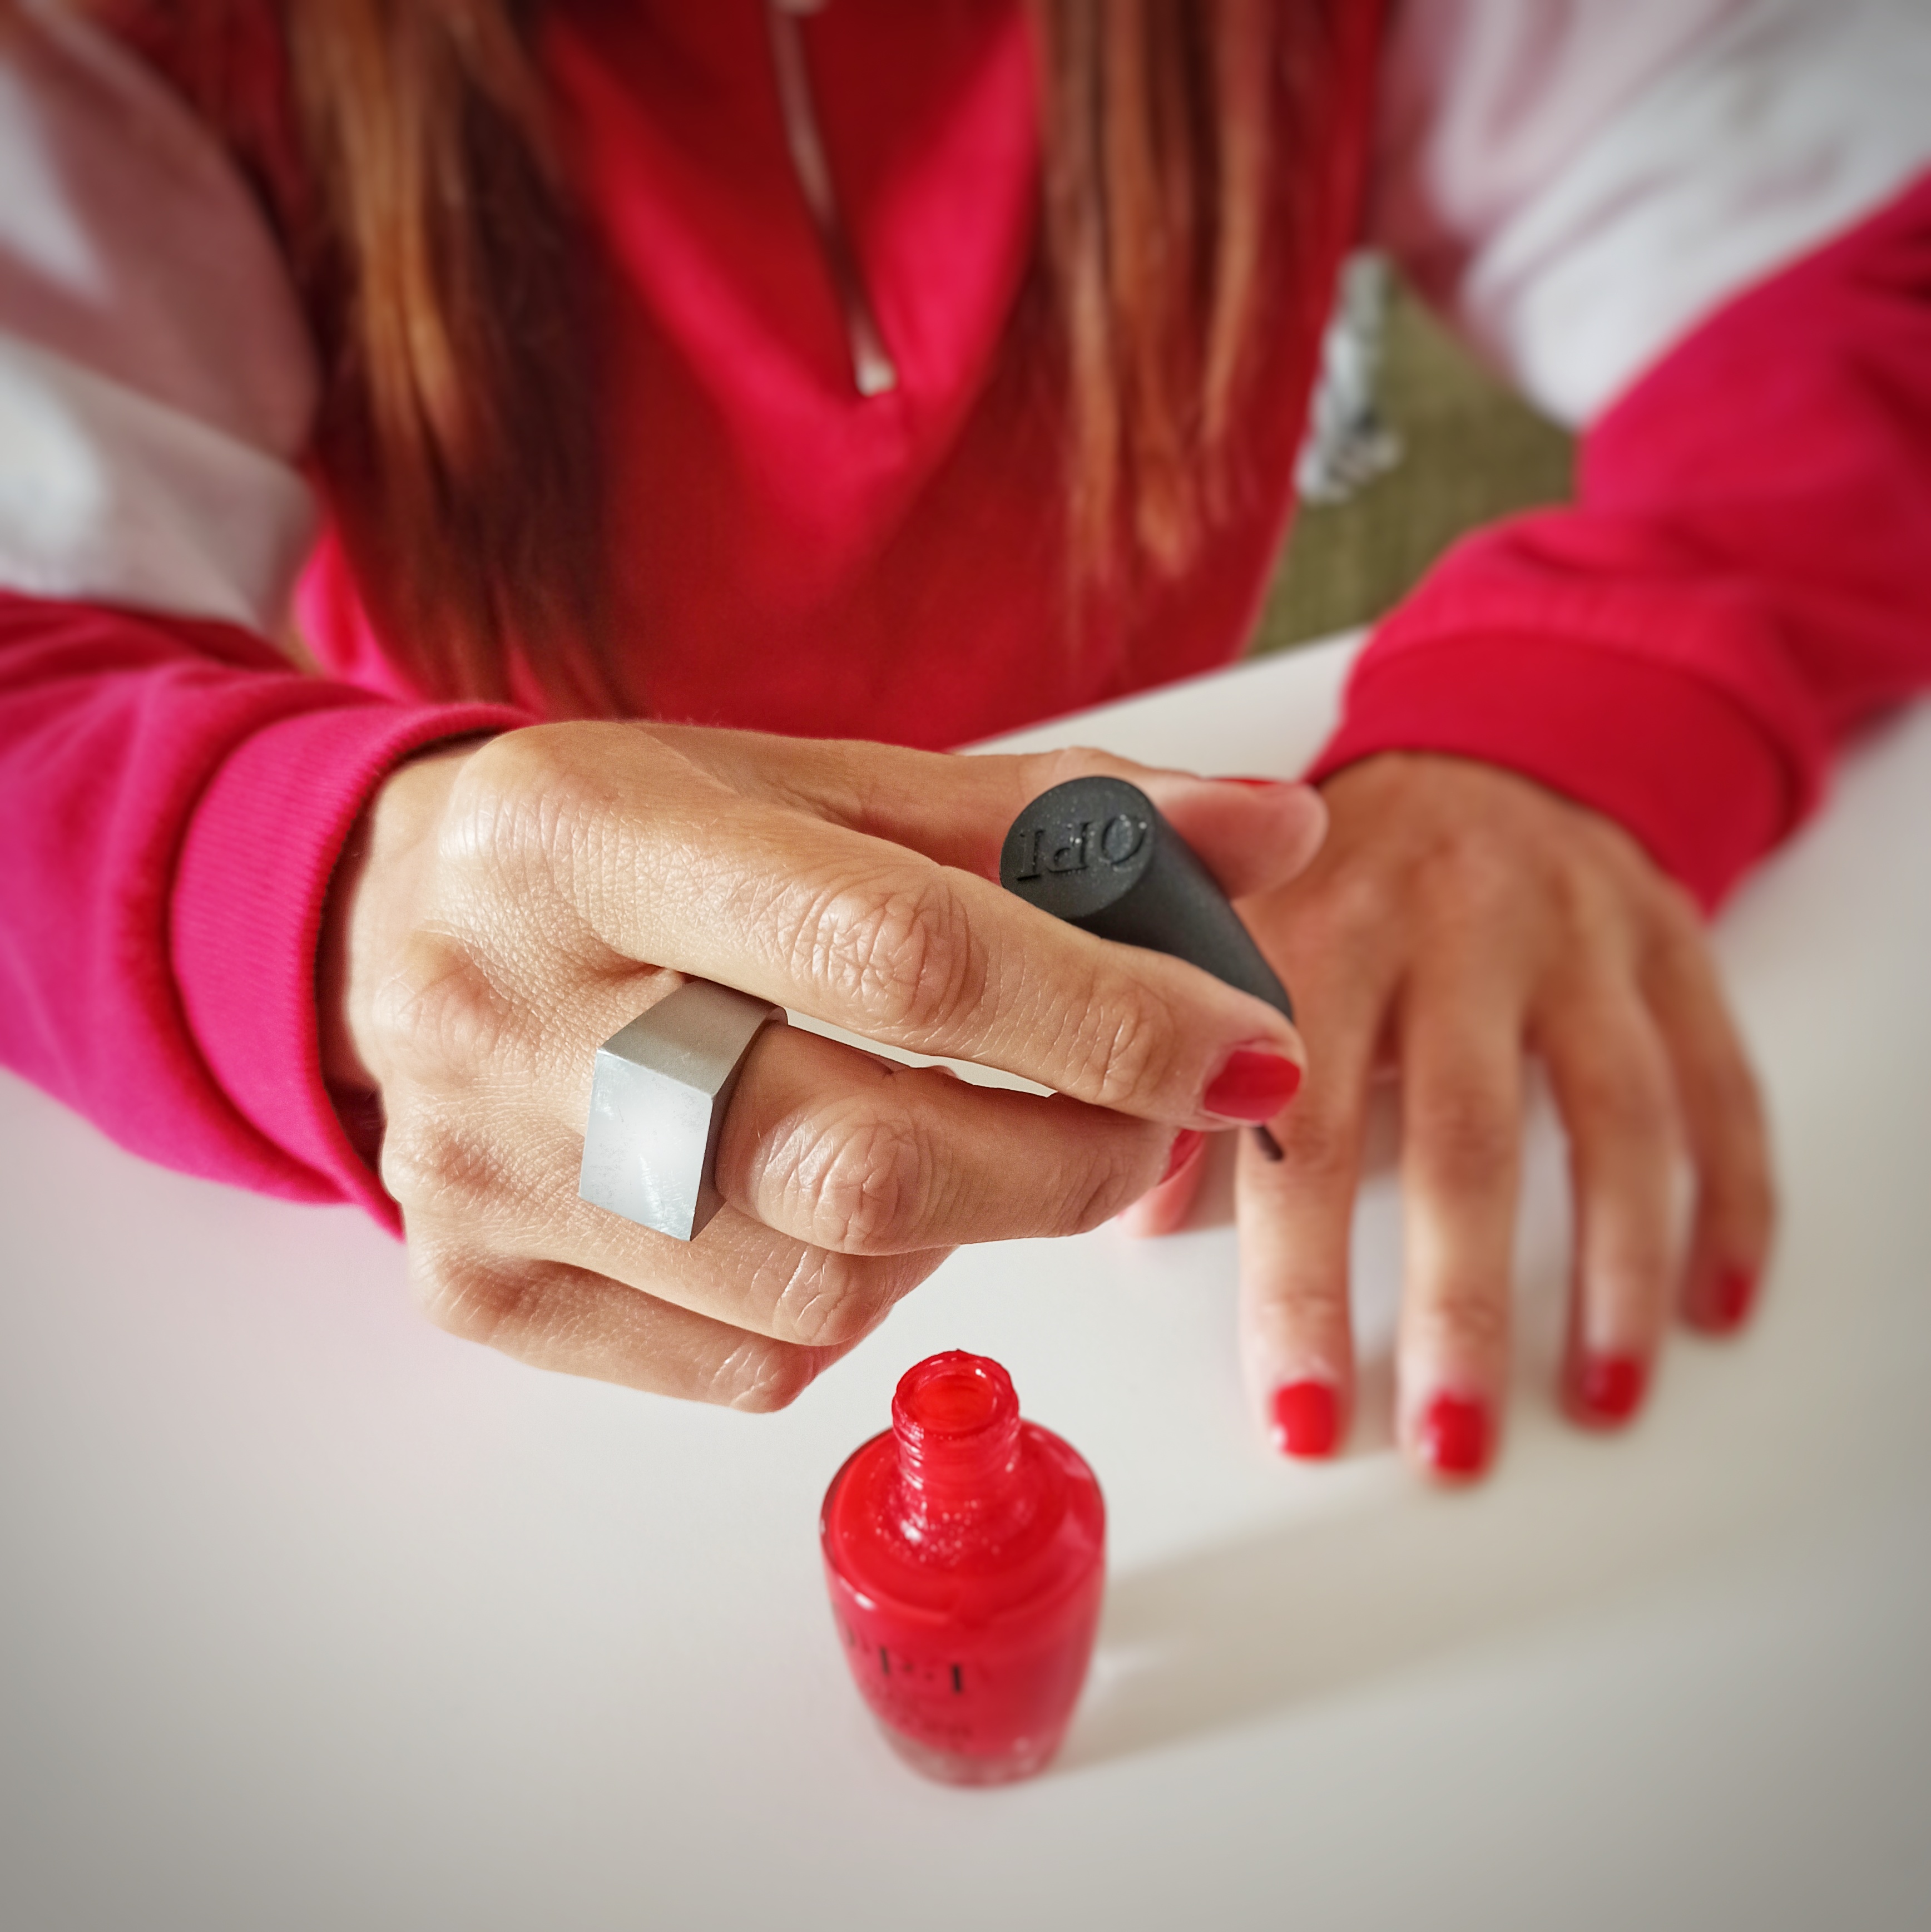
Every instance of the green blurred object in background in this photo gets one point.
(1471, 451)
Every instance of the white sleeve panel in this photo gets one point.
(107, 495)
(158, 385)
(1579, 182)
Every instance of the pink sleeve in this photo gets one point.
(176, 799)
(1745, 577)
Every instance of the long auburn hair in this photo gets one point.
(405, 150)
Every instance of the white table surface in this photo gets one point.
(313, 1617)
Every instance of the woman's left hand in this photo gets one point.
(1458, 919)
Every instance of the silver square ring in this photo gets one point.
(657, 1106)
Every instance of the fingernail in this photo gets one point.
(1254, 1085)
(1306, 1419)
(1187, 1143)
(1607, 1388)
(1257, 784)
(1732, 1296)
(1454, 1436)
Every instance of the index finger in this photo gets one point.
(870, 936)
(1252, 835)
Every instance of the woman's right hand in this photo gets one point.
(508, 905)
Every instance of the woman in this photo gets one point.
(901, 374)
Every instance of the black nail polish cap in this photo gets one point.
(1095, 853)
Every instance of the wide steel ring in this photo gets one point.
(657, 1106)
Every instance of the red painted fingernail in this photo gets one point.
(1187, 1143)
(1607, 1388)
(1252, 1086)
(1256, 784)
(1307, 1419)
(1732, 1296)
(1454, 1437)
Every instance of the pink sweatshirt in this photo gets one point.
(1739, 583)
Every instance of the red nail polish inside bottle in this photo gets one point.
(965, 1553)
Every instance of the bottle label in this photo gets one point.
(972, 1691)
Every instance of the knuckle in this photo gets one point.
(827, 1302)
(1473, 881)
(1741, 1193)
(1091, 1170)
(761, 1376)
(1463, 1323)
(1126, 1045)
(1315, 1304)
(1045, 769)
(1463, 1136)
(904, 954)
(1637, 1271)
(519, 780)
(472, 1301)
(1309, 1311)
(540, 809)
(1354, 905)
(1624, 1102)
(513, 798)
(1317, 1143)
(1754, 1192)
(430, 1165)
(1735, 1104)
(439, 1017)
(856, 1179)
(1076, 1210)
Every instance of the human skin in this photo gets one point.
(505, 906)
(499, 915)
(1459, 920)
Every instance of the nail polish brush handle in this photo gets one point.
(1096, 852)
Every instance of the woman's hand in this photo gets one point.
(1459, 918)
(510, 905)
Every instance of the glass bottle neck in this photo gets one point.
(950, 1477)
(955, 1423)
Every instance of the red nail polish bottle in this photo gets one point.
(965, 1553)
